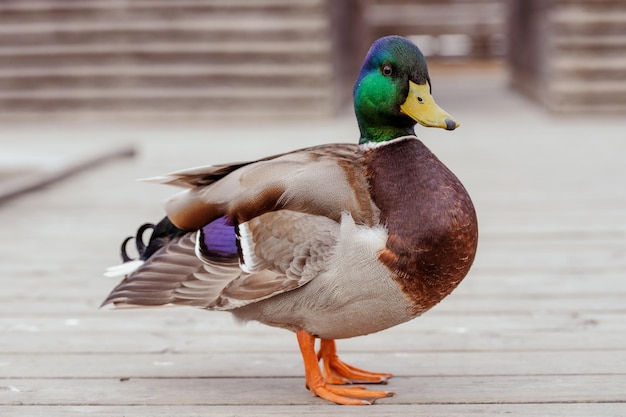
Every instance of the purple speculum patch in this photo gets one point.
(218, 238)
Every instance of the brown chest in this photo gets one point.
(430, 219)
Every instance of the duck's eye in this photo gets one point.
(387, 70)
(420, 99)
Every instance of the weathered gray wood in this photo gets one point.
(284, 391)
(288, 364)
(37, 180)
(217, 323)
(323, 410)
(451, 339)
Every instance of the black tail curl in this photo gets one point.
(162, 233)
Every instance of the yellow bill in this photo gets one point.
(421, 107)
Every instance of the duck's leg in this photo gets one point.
(338, 372)
(318, 386)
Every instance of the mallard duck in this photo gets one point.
(329, 242)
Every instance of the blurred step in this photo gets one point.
(231, 52)
(589, 94)
(195, 101)
(591, 46)
(588, 68)
(137, 32)
(32, 11)
(164, 76)
(588, 18)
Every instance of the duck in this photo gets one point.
(329, 242)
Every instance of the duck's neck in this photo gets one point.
(383, 134)
(377, 128)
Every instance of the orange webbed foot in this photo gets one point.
(338, 372)
(319, 386)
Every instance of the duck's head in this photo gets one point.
(393, 93)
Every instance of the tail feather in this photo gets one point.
(123, 269)
(162, 233)
(157, 279)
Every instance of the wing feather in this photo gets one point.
(286, 210)
(324, 180)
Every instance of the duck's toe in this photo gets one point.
(339, 373)
(348, 395)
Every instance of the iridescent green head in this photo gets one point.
(393, 92)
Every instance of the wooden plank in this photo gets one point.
(192, 322)
(22, 185)
(288, 391)
(505, 282)
(327, 410)
(289, 364)
(456, 338)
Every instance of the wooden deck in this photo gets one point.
(537, 329)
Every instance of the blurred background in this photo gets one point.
(155, 59)
(85, 81)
